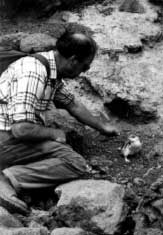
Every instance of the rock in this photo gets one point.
(153, 231)
(28, 42)
(121, 83)
(139, 220)
(138, 181)
(58, 17)
(158, 204)
(158, 184)
(24, 231)
(68, 231)
(133, 6)
(37, 42)
(12, 41)
(141, 228)
(94, 205)
(149, 214)
(119, 30)
(149, 231)
(38, 218)
(158, 150)
(130, 88)
(8, 220)
(34, 224)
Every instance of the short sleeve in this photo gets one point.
(63, 97)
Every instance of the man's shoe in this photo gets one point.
(8, 198)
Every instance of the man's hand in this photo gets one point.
(109, 130)
(59, 136)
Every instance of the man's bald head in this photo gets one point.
(76, 44)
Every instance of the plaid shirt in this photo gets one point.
(26, 91)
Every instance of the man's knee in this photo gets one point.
(64, 152)
(49, 146)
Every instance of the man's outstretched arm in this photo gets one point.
(82, 114)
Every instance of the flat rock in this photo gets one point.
(37, 42)
(94, 205)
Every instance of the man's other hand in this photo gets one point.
(59, 136)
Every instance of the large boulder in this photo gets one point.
(94, 205)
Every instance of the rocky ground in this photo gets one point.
(139, 54)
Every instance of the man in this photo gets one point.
(31, 154)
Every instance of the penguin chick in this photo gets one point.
(131, 147)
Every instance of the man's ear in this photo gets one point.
(73, 60)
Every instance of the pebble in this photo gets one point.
(138, 181)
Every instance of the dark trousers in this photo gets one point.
(39, 164)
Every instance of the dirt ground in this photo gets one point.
(103, 153)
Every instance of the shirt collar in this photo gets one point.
(53, 68)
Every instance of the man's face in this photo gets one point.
(75, 67)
